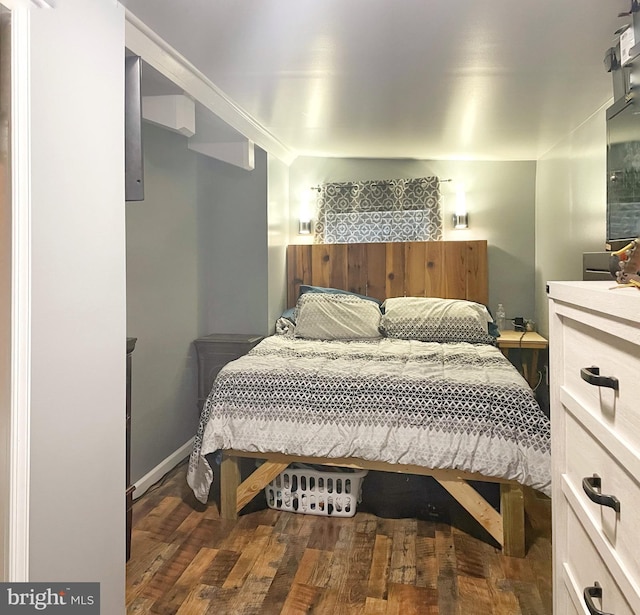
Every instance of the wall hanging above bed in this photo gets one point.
(379, 211)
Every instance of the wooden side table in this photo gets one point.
(214, 352)
(527, 340)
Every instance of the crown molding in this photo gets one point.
(156, 52)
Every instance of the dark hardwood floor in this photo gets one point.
(186, 560)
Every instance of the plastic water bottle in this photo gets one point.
(501, 318)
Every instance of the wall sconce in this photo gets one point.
(461, 217)
(460, 221)
(305, 212)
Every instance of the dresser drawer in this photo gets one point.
(587, 347)
(586, 568)
(585, 457)
(569, 600)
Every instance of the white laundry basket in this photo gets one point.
(303, 489)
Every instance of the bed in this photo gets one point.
(431, 401)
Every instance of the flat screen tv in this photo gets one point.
(623, 170)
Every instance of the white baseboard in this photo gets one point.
(154, 475)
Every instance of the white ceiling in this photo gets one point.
(432, 79)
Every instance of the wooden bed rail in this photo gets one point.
(506, 526)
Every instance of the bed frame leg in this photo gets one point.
(512, 510)
(229, 482)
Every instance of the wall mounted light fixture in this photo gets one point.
(460, 221)
(306, 211)
(461, 217)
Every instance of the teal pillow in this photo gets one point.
(289, 314)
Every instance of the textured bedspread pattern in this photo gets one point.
(450, 406)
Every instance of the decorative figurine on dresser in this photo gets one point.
(214, 352)
(624, 264)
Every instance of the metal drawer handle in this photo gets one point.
(592, 486)
(592, 376)
(589, 594)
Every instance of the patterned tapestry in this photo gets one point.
(379, 211)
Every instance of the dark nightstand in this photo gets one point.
(214, 352)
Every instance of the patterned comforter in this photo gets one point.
(456, 405)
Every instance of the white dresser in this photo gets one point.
(594, 343)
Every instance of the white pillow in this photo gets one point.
(328, 316)
(430, 319)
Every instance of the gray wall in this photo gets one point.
(205, 254)
(570, 207)
(78, 311)
(232, 236)
(500, 202)
(163, 297)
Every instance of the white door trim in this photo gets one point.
(19, 454)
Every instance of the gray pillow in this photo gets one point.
(328, 316)
(430, 319)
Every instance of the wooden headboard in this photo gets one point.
(448, 269)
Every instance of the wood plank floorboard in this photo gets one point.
(185, 560)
